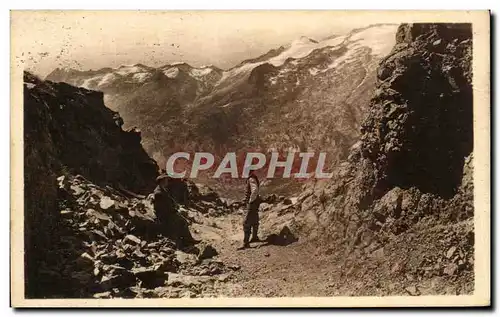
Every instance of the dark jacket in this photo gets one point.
(172, 223)
(163, 204)
(248, 192)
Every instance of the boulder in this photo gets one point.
(106, 203)
(150, 277)
(284, 237)
(131, 239)
(206, 252)
(122, 280)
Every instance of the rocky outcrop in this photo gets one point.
(113, 245)
(419, 128)
(91, 226)
(410, 176)
(82, 136)
(68, 130)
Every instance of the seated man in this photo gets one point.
(173, 224)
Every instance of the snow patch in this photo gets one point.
(171, 72)
(91, 82)
(302, 47)
(141, 77)
(380, 39)
(237, 73)
(348, 57)
(127, 70)
(197, 72)
(107, 79)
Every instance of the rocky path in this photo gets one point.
(267, 270)
(112, 247)
(306, 268)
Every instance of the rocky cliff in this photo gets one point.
(399, 211)
(69, 131)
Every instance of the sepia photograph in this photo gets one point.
(250, 158)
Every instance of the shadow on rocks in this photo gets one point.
(283, 238)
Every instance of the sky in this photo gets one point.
(44, 40)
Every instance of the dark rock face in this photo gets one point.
(90, 228)
(410, 176)
(419, 128)
(68, 130)
(85, 136)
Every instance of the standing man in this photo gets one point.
(252, 200)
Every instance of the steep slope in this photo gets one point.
(309, 95)
(85, 137)
(68, 130)
(90, 228)
(399, 212)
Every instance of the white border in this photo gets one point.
(257, 4)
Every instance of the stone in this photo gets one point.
(412, 290)
(234, 267)
(284, 237)
(224, 277)
(139, 254)
(450, 252)
(167, 265)
(184, 258)
(187, 294)
(102, 295)
(99, 215)
(85, 261)
(206, 252)
(450, 269)
(131, 238)
(396, 268)
(175, 280)
(378, 254)
(150, 277)
(122, 280)
(106, 202)
(77, 190)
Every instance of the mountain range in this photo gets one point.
(309, 95)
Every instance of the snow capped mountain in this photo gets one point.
(111, 80)
(375, 41)
(308, 95)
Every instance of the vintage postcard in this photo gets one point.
(250, 158)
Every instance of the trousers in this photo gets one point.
(251, 222)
